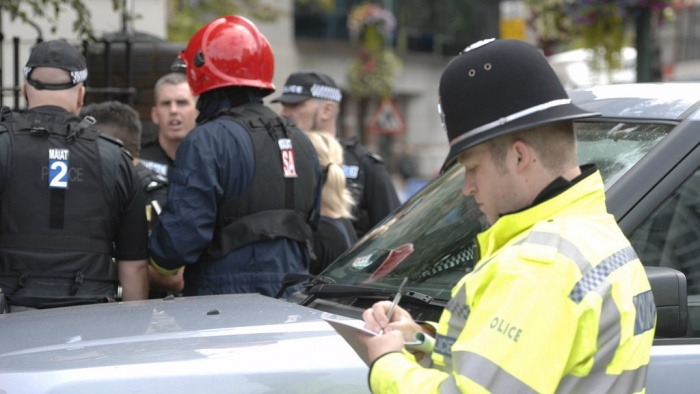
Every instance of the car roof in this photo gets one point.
(654, 101)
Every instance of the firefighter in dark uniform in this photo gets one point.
(244, 194)
(311, 100)
(70, 199)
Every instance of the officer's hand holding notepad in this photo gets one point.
(349, 328)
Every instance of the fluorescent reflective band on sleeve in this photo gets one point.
(485, 373)
(595, 276)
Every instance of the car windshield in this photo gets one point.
(431, 238)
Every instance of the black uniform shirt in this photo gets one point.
(370, 184)
(333, 238)
(154, 158)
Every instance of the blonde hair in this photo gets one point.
(334, 196)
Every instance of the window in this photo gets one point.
(671, 238)
(616, 147)
(440, 27)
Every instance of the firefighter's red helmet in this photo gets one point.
(229, 51)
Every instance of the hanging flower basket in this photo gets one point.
(367, 15)
(373, 71)
(600, 24)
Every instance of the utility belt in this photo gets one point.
(8, 307)
(41, 292)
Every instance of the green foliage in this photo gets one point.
(186, 17)
(372, 74)
(318, 5)
(49, 10)
(606, 36)
(601, 25)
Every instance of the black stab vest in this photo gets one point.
(55, 221)
(274, 206)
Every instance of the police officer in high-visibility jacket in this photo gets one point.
(558, 301)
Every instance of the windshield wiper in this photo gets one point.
(293, 278)
(340, 290)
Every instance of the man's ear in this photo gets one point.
(23, 92)
(523, 155)
(81, 97)
(154, 116)
(327, 110)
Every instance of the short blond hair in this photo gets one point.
(334, 196)
(555, 144)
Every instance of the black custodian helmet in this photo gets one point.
(498, 87)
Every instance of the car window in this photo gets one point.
(671, 238)
(616, 147)
(431, 238)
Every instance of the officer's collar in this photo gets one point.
(558, 186)
(48, 109)
(212, 102)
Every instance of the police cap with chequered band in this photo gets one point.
(498, 87)
(301, 86)
(56, 54)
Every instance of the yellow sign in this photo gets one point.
(513, 14)
(512, 29)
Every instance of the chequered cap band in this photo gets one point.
(326, 93)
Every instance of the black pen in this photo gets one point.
(397, 298)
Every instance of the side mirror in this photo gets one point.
(671, 297)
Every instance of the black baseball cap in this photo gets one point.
(56, 54)
(301, 86)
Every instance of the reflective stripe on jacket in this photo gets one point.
(558, 302)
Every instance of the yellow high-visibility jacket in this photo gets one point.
(558, 302)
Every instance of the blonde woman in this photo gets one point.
(335, 232)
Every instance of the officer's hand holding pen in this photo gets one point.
(389, 319)
(381, 314)
(394, 304)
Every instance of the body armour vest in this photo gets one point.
(355, 182)
(280, 200)
(55, 211)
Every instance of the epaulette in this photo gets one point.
(156, 181)
(376, 157)
(5, 115)
(5, 112)
(353, 144)
(350, 142)
(112, 139)
(127, 153)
